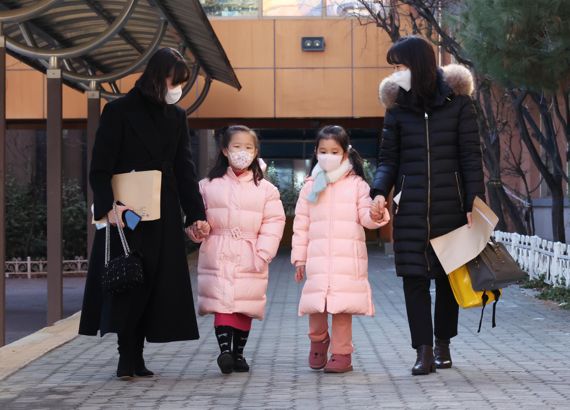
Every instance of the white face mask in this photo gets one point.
(240, 159)
(173, 95)
(329, 162)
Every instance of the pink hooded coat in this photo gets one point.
(329, 239)
(247, 223)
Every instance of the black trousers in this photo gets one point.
(418, 307)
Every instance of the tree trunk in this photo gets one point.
(496, 205)
(514, 212)
(558, 230)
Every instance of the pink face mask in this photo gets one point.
(329, 162)
(240, 159)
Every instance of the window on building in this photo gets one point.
(348, 8)
(292, 8)
(231, 8)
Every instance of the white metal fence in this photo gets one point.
(539, 257)
(31, 268)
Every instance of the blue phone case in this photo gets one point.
(131, 219)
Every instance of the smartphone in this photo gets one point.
(131, 219)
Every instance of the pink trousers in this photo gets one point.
(341, 337)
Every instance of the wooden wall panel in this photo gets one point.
(278, 79)
(370, 46)
(25, 90)
(247, 43)
(255, 100)
(337, 34)
(314, 93)
(366, 81)
(74, 104)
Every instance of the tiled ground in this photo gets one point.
(524, 363)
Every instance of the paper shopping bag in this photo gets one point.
(461, 245)
(140, 191)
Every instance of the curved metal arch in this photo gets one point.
(104, 78)
(79, 50)
(201, 97)
(26, 13)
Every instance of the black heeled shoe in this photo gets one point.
(140, 368)
(126, 367)
(240, 364)
(425, 363)
(442, 354)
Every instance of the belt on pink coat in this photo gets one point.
(235, 233)
(238, 234)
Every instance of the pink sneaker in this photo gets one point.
(339, 363)
(318, 354)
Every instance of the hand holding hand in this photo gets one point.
(375, 215)
(191, 233)
(111, 215)
(382, 218)
(377, 208)
(299, 273)
(203, 228)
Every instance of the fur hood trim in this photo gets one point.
(456, 76)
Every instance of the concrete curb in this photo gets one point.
(20, 353)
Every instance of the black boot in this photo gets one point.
(442, 354)
(240, 339)
(425, 362)
(140, 366)
(126, 366)
(225, 359)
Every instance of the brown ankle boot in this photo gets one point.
(442, 354)
(425, 362)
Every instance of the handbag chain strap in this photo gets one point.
(124, 242)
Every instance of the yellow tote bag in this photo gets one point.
(466, 297)
(463, 291)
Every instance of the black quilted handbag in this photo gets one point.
(124, 272)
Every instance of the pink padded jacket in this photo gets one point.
(329, 239)
(247, 222)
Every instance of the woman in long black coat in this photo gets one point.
(143, 131)
(430, 153)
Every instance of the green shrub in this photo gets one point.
(558, 293)
(26, 221)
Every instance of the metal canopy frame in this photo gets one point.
(88, 44)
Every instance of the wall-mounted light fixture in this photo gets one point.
(313, 43)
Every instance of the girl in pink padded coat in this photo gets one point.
(246, 218)
(329, 247)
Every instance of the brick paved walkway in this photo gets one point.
(524, 363)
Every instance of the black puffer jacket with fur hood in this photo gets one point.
(432, 156)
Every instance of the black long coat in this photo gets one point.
(138, 134)
(433, 157)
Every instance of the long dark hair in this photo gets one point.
(221, 166)
(417, 54)
(339, 134)
(164, 63)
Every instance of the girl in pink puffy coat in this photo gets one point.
(246, 221)
(329, 247)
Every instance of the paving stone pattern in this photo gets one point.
(524, 363)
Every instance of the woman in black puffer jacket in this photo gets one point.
(430, 153)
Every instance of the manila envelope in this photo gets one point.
(463, 244)
(140, 191)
